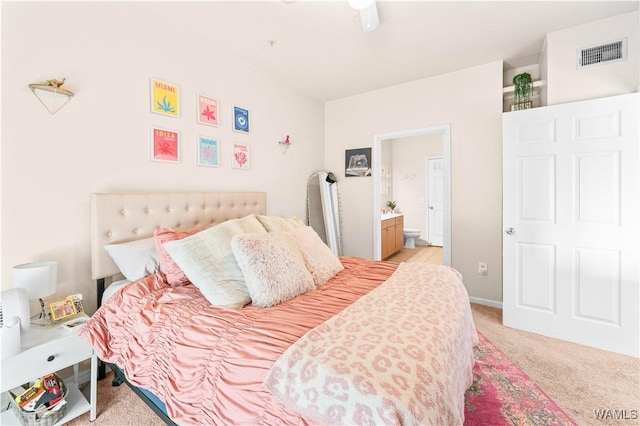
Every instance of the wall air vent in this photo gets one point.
(602, 54)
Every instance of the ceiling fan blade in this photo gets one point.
(369, 17)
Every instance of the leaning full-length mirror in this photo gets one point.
(323, 209)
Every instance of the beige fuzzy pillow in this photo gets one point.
(318, 257)
(273, 268)
(208, 262)
(277, 223)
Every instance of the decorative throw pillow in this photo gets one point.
(208, 262)
(273, 268)
(277, 223)
(175, 275)
(135, 259)
(318, 257)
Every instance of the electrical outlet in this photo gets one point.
(482, 268)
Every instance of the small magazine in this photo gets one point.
(43, 394)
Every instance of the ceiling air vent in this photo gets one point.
(602, 54)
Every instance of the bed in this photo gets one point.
(321, 339)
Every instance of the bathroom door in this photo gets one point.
(435, 211)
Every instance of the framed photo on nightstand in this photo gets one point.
(62, 308)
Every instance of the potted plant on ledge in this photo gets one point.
(523, 88)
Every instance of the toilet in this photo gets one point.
(410, 236)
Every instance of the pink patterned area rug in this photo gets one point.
(502, 394)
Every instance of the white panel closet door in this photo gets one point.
(571, 219)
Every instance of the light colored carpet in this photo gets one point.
(578, 378)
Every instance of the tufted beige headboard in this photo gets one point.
(121, 217)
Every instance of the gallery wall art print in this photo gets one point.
(241, 120)
(165, 145)
(207, 110)
(241, 157)
(208, 152)
(165, 98)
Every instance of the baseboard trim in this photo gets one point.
(485, 302)
(84, 375)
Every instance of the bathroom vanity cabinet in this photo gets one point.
(391, 235)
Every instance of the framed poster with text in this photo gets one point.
(208, 152)
(241, 121)
(207, 110)
(165, 145)
(165, 98)
(241, 157)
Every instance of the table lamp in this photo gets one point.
(39, 279)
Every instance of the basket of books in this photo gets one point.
(43, 403)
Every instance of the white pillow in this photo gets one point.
(273, 268)
(318, 257)
(207, 260)
(135, 259)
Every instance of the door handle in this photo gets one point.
(431, 207)
(510, 231)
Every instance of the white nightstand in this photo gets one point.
(44, 351)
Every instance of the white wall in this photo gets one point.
(410, 177)
(386, 157)
(99, 142)
(471, 101)
(544, 76)
(566, 83)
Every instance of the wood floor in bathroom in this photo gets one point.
(427, 254)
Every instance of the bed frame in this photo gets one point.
(122, 217)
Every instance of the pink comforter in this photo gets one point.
(208, 364)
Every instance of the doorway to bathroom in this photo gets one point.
(385, 176)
